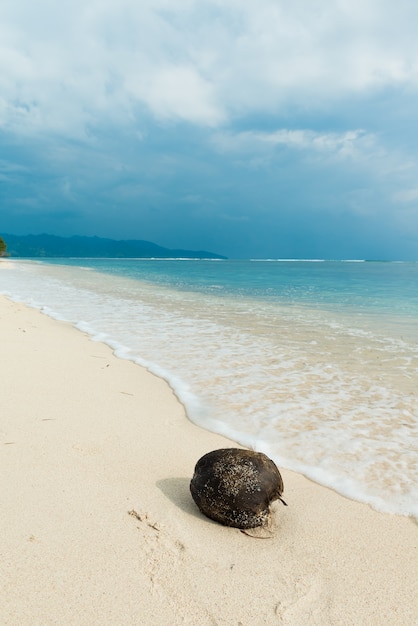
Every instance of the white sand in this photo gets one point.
(86, 437)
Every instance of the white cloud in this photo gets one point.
(347, 144)
(9, 167)
(406, 196)
(67, 65)
(177, 92)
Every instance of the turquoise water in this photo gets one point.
(313, 362)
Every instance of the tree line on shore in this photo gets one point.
(3, 247)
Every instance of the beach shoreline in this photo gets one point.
(98, 525)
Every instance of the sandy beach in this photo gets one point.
(98, 527)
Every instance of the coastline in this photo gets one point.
(86, 437)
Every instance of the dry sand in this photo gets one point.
(86, 437)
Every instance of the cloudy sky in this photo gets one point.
(252, 129)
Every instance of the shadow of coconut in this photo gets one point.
(177, 490)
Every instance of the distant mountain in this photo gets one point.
(53, 246)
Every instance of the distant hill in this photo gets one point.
(53, 246)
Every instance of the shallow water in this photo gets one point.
(314, 363)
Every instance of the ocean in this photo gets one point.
(313, 362)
